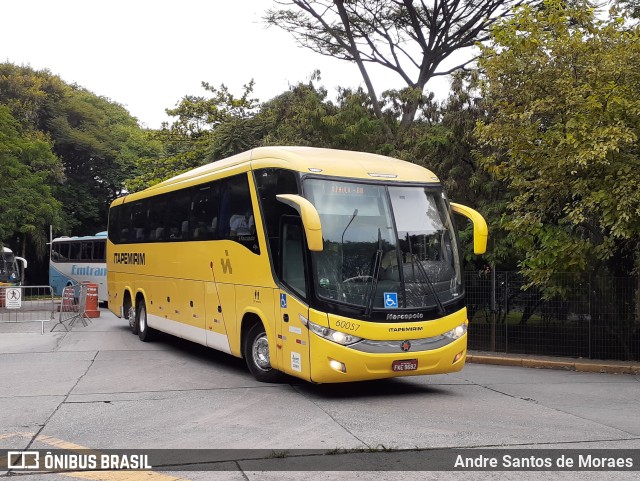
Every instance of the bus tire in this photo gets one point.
(256, 355)
(145, 333)
(130, 315)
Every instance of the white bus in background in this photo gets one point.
(10, 273)
(74, 260)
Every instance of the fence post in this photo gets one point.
(494, 310)
(590, 316)
(506, 311)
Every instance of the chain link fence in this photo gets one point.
(590, 317)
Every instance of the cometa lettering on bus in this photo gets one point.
(135, 258)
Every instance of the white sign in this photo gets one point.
(13, 297)
(296, 362)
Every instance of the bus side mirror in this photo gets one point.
(310, 219)
(480, 229)
(23, 261)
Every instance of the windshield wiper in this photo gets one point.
(423, 273)
(374, 281)
(353, 216)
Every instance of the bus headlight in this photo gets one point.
(333, 335)
(457, 332)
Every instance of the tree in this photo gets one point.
(207, 128)
(28, 167)
(564, 136)
(411, 39)
(96, 139)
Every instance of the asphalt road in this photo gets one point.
(98, 387)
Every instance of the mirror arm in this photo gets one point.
(310, 219)
(480, 229)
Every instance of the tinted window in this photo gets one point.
(203, 221)
(293, 258)
(99, 251)
(236, 220)
(74, 253)
(176, 216)
(124, 225)
(138, 231)
(114, 222)
(86, 250)
(60, 252)
(156, 220)
(271, 182)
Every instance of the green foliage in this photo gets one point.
(97, 141)
(28, 167)
(211, 128)
(563, 86)
(206, 129)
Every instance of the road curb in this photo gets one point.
(579, 365)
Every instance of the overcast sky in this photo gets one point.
(148, 54)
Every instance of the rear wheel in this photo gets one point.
(145, 333)
(130, 315)
(256, 354)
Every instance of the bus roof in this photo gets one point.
(99, 235)
(329, 162)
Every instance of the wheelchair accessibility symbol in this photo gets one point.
(391, 300)
(283, 301)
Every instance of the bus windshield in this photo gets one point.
(385, 247)
(9, 272)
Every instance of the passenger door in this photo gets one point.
(293, 334)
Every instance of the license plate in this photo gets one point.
(405, 365)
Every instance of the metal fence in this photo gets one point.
(38, 304)
(27, 304)
(72, 307)
(590, 317)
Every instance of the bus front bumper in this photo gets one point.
(331, 362)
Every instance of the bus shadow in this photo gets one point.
(200, 354)
(384, 388)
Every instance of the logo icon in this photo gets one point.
(390, 300)
(283, 301)
(23, 460)
(405, 346)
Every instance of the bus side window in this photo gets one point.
(271, 182)
(176, 215)
(63, 251)
(139, 222)
(236, 220)
(293, 256)
(99, 251)
(203, 220)
(55, 252)
(86, 251)
(74, 253)
(125, 224)
(157, 212)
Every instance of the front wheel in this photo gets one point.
(145, 333)
(256, 354)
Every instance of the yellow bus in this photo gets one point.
(326, 265)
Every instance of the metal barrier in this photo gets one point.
(73, 307)
(27, 304)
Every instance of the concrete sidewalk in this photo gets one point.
(551, 362)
